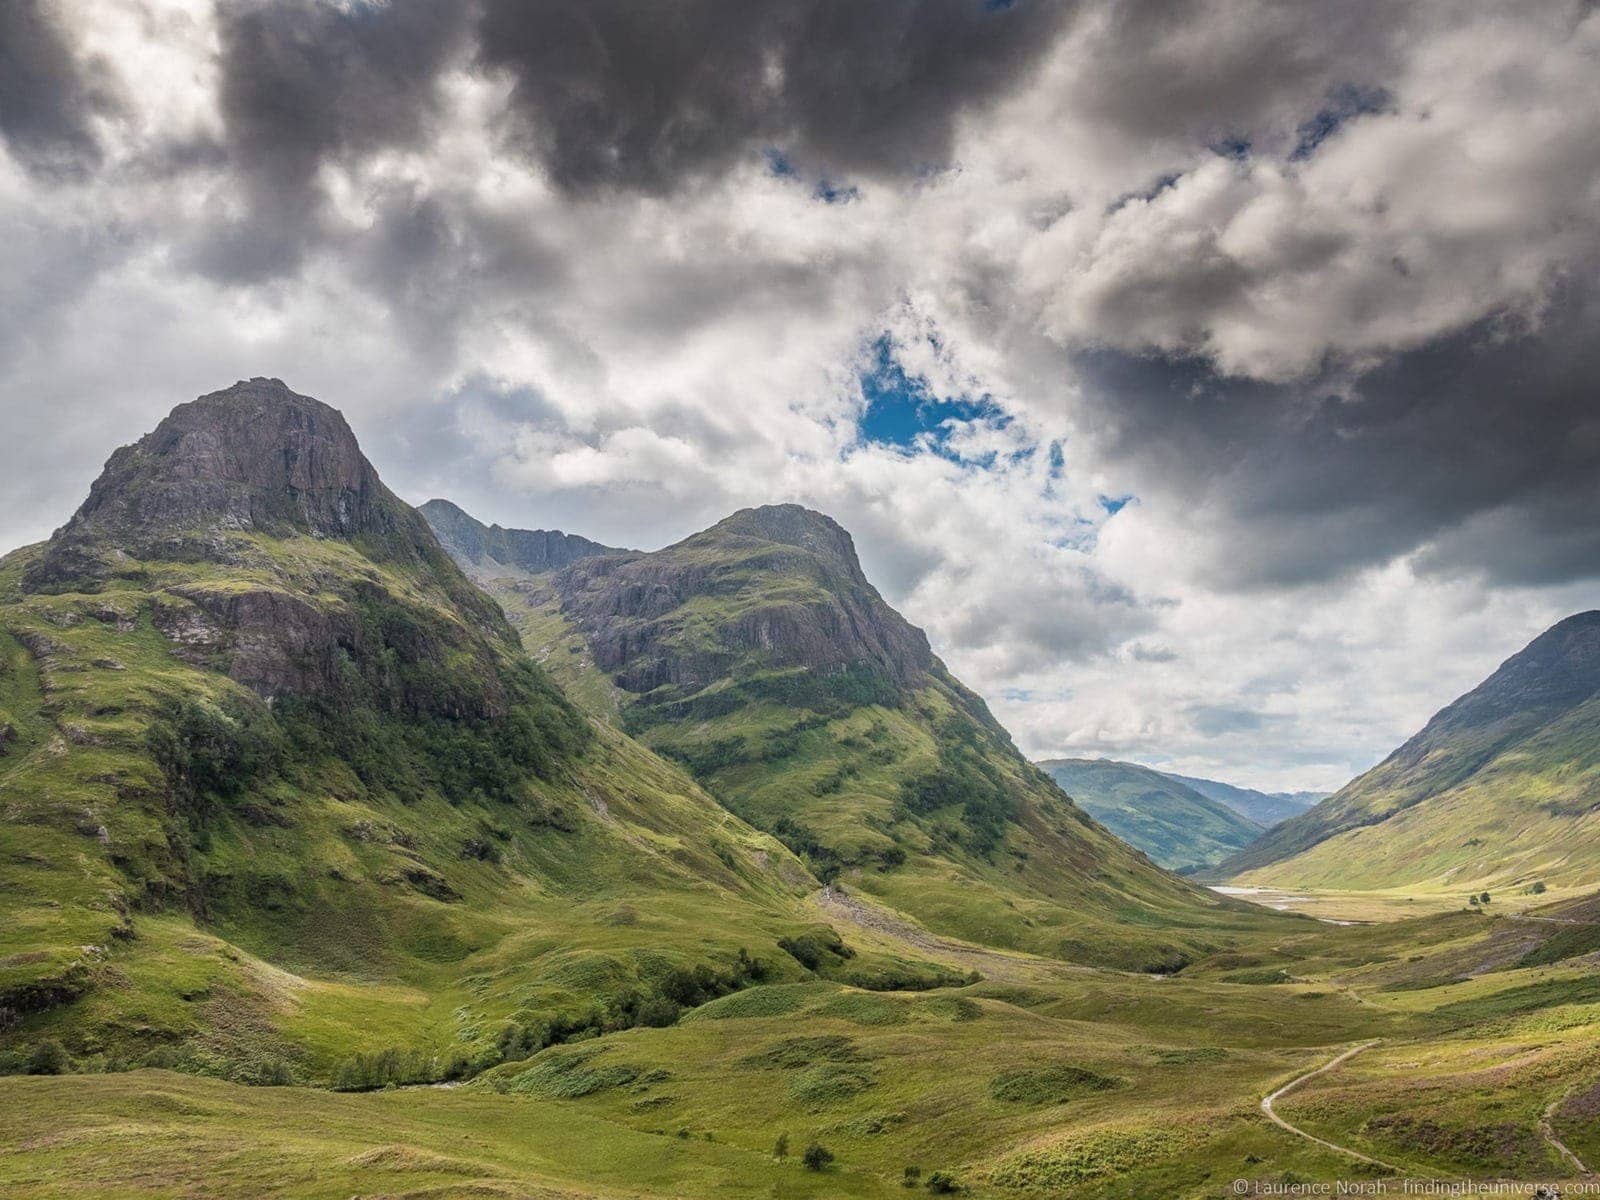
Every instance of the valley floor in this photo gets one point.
(1392, 904)
(1481, 1061)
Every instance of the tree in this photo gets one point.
(817, 1157)
(1472, 900)
(912, 1177)
(1538, 888)
(780, 1148)
(1484, 898)
(48, 1058)
(943, 1183)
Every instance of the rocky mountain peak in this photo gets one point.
(253, 458)
(1559, 668)
(789, 525)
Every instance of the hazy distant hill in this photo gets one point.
(1175, 824)
(1501, 786)
(1266, 809)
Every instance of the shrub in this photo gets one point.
(780, 1148)
(817, 1157)
(942, 1183)
(1538, 888)
(48, 1058)
(1047, 1085)
(912, 1177)
(658, 1012)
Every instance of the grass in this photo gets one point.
(1091, 1084)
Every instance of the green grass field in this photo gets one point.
(1051, 1082)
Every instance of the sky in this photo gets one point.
(1216, 383)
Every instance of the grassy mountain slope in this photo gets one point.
(279, 785)
(1500, 788)
(1265, 809)
(758, 655)
(1174, 824)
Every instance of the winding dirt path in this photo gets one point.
(1561, 1148)
(1268, 1101)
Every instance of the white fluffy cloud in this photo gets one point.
(1309, 282)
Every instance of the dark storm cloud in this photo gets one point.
(1481, 450)
(46, 96)
(305, 81)
(643, 96)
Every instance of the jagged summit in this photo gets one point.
(483, 548)
(255, 458)
(787, 525)
(771, 588)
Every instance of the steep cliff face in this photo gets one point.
(768, 589)
(281, 556)
(253, 458)
(495, 550)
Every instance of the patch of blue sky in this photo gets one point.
(904, 413)
(1115, 504)
(1345, 103)
(826, 190)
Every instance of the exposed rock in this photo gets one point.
(479, 547)
(259, 461)
(784, 585)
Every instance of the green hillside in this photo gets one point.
(280, 787)
(1500, 789)
(758, 655)
(1174, 824)
(1265, 809)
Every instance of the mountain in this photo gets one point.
(492, 548)
(1265, 809)
(279, 787)
(1176, 825)
(758, 655)
(1500, 788)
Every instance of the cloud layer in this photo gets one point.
(1245, 349)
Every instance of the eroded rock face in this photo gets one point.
(218, 483)
(253, 458)
(781, 584)
(481, 547)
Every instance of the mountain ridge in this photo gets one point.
(1178, 826)
(757, 653)
(1516, 753)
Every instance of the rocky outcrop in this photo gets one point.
(217, 483)
(255, 458)
(771, 587)
(476, 546)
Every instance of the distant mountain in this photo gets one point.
(1176, 825)
(487, 547)
(758, 655)
(1266, 809)
(1501, 786)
